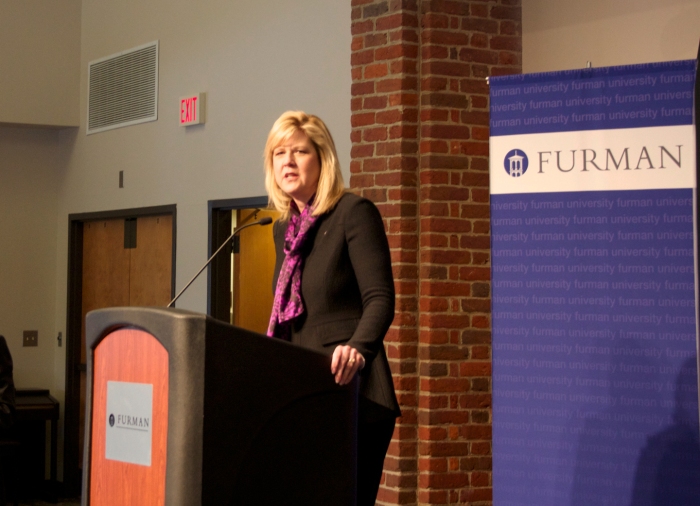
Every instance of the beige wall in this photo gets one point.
(39, 62)
(253, 59)
(29, 174)
(565, 34)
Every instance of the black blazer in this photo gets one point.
(348, 291)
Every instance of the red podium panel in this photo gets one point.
(130, 356)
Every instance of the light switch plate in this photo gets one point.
(30, 338)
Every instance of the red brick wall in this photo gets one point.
(420, 152)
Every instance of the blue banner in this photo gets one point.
(595, 387)
(635, 96)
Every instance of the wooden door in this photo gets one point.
(150, 270)
(253, 271)
(123, 267)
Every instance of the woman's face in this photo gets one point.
(297, 168)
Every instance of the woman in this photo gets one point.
(334, 289)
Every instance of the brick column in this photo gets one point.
(420, 151)
(384, 168)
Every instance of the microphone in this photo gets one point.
(262, 221)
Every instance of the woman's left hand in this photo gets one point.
(345, 363)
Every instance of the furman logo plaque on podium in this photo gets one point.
(130, 410)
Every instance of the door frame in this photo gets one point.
(71, 421)
(219, 272)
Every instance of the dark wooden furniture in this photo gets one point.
(34, 408)
(39, 405)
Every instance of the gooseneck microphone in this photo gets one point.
(263, 221)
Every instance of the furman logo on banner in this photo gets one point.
(516, 162)
(641, 158)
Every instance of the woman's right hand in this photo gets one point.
(345, 363)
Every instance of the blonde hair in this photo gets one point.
(330, 181)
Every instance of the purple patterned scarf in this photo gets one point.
(288, 304)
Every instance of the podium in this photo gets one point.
(182, 409)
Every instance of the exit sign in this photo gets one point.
(192, 109)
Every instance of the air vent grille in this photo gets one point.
(123, 89)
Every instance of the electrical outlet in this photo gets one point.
(30, 338)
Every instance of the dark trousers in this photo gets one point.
(373, 440)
